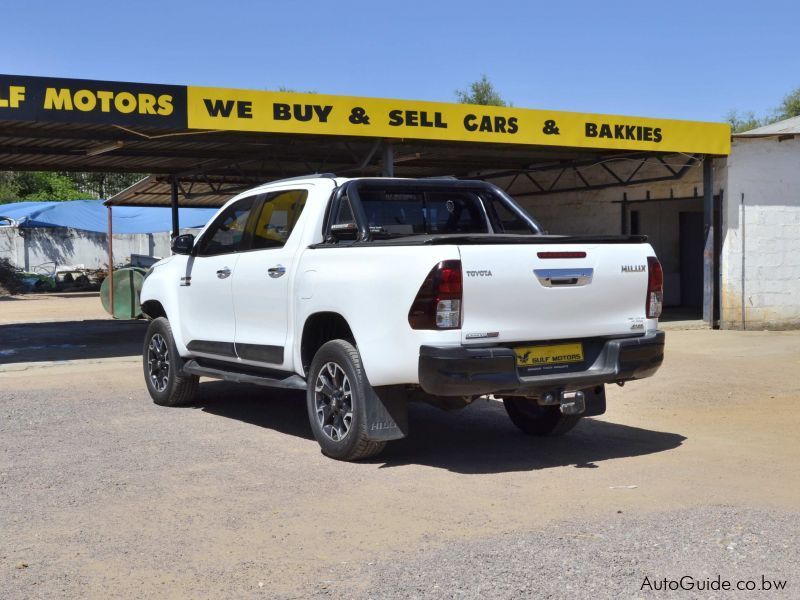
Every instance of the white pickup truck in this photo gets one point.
(369, 293)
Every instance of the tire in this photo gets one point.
(161, 362)
(336, 400)
(539, 420)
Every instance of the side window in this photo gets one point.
(227, 231)
(279, 214)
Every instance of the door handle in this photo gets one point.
(276, 271)
(564, 277)
(223, 272)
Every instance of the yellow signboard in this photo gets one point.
(288, 112)
(177, 108)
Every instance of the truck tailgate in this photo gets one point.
(527, 292)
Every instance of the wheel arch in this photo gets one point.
(319, 328)
(152, 309)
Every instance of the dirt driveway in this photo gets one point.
(48, 308)
(103, 494)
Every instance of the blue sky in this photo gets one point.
(691, 60)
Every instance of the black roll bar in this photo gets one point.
(352, 189)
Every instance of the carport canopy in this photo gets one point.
(206, 144)
(200, 145)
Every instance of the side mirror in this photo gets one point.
(344, 231)
(183, 244)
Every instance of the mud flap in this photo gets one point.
(387, 413)
(595, 398)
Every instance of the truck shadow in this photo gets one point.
(70, 340)
(280, 410)
(480, 439)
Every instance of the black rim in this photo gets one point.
(333, 401)
(158, 362)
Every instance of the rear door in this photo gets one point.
(263, 278)
(530, 292)
(206, 301)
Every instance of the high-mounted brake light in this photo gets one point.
(438, 302)
(655, 288)
(565, 254)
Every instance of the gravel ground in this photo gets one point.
(622, 557)
(105, 495)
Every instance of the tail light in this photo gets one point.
(438, 302)
(655, 288)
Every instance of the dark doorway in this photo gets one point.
(635, 222)
(691, 258)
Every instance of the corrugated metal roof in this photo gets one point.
(213, 166)
(200, 192)
(64, 146)
(785, 127)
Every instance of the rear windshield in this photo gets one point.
(409, 213)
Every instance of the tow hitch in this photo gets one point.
(570, 403)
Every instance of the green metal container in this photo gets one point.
(127, 286)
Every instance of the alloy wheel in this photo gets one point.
(158, 362)
(333, 401)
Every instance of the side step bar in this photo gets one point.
(292, 382)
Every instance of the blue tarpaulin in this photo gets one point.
(91, 215)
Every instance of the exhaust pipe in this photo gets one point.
(549, 399)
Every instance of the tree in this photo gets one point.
(9, 188)
(17, 186)
(742, 122)
(481, 92)
(790, 107)
(37, 185)
(103, 185)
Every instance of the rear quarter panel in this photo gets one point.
(373, 289)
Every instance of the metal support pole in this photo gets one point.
(388, 159)
(709, 275)
(110, 243)
(174, 203)
(744, 239)
(624, 205)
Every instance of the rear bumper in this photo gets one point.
(463, 371)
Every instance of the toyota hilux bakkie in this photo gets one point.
(371, 293)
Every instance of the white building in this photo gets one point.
(760, 275)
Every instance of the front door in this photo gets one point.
(207, 317)
(262, 283)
